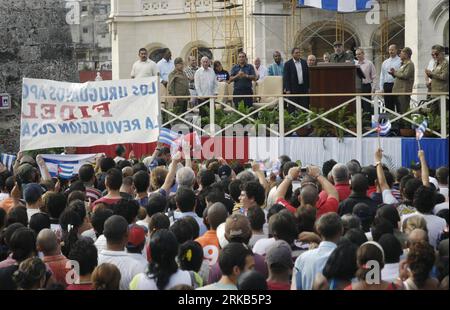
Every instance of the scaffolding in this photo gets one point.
(340, 27)
(292, 24)
(233, 25)
(233, 22)
(384, 31)
(194, 27)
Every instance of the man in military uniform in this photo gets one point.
(437, 75)
(339, 55)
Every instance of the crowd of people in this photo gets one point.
(396, 76)
(171, 222)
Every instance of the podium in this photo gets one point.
(333, 78)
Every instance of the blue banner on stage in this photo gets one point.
(436, 152)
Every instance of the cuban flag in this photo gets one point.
(384, 128)
(66, 166)
(168, 137)
(8, 160)
(344, 6)
(420, 131)
(65, 171)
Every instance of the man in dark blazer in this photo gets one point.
(296, 80)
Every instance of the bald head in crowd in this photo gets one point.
(127, 172)
(309, 195)
(417, 235)
(217, 214)
(340, 174)
(47, 242)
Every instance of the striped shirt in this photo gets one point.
(92, 194)
(190, 72)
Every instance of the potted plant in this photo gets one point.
(321, 128)
(434, 123)
(232, 117)
(299, 119)
(267, 117)
(409, 131)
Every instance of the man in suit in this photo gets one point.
(296, 79)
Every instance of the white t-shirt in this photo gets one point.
(440, 207)
(143, 69)
(127, 265)
(442, 190)
(255, 238)
(142, 223)
(435, 226)
(139, 257)
(388, 198)
(118, 158)
(100, 243)
(271, 198)
(143, 282)
(31, 212)
(262, 245)
(90, 233)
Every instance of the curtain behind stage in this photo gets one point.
(227, 147)
(436, 152)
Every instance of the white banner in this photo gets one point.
(59, 114)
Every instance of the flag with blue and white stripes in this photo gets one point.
(65, 171)
(168, 137)
(344, 6)
(66, 166)
(384, 128)
(8, 160)
(420, 131)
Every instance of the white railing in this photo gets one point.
(280, 101)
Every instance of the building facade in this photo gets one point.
(260, 27)
(91, 36)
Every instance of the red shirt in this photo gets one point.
(326, 204)
(371, 190)
(277, 286)
(57, 264)
(108, 201)
(285, 204)
(79, 287)
(343, 190)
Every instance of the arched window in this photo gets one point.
(396, 35)
(156, 54)
(200, 52)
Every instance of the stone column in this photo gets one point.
(420, 36)
(267, 31)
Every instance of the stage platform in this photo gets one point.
(398, 151)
